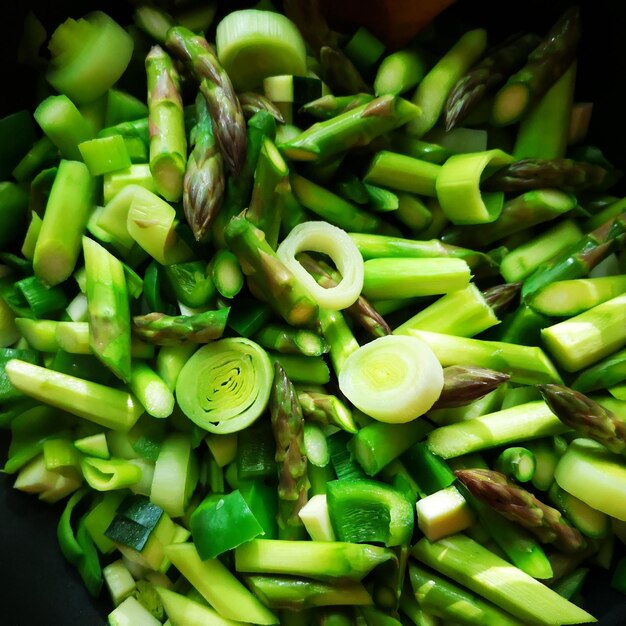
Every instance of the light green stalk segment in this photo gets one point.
(519, 423)
(109, 310)
(137, 174)
(463, 312)
(400, 71)
(111, 408)
(151, 390)
(406, 278)
(565, 298)
(105, 154)
(171, 360)
(219, 587)
(151, 222)
(338, 336)
(527, 365)
(317, 559)
(581, 341)
(543, 132)
(443, 598)
(67, 211)
(432, 93)
(522, 261)
(63, 124)
(471, 565)
(333, 208)
(356, 127)
(458, 187)
(404, 173)
(168, 141)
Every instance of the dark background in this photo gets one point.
(36, 585)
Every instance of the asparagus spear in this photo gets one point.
(587, 416)
(260, 126)
(168, 141)
(546, 63)
(327, 107)
(269, 279)
(528, 174)
(216, 87)
(252, 102)
(109, 313)
(521, 506)
(607, 373)
(203, 185)
(164, 330)
(578, 260)
(290, 340)
(288, 427)
(355, 127)
(499, 297)
(486, 76)
(465, 383)
(361, 312)
(325, 409)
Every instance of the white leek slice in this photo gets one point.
(392, 379)
(338, 245)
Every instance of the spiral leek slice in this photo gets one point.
(338, 245)
(225, 386)
(392, 379)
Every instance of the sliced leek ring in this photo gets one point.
(392, 379)
(338, 245)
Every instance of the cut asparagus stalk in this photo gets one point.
(67, 210)
(453, 603)
(284, 592)
(463, 312)
(525, 364)
(432, 93)
(112, 408)
(584, 339)
(543, 133)
(318, 559)
(404, 173)
(109, 310)
(168, 141)
(168, 330)
(481, 571)
(594, 475)
(356, 127)
(607, 373)
(507, 426)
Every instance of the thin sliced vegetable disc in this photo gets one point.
(225, 386)
(338, 245)
(392, 379)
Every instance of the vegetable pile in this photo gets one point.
(307, 331)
